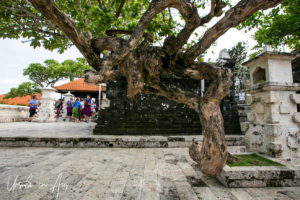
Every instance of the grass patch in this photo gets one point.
(253, 160)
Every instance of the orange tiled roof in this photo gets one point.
(18, 100)
(79, 85)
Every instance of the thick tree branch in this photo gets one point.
(201, 70)
(63, 22)
(114, 32)
(191, 17)
(175, 94)
(108, 43)
(239, 13)
(190, 14)
(155, 7)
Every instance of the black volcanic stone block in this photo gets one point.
(155, 115)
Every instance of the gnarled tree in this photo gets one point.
(94, 29)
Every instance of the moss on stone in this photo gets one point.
(253, 160)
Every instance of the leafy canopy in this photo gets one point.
(24, 89)
(52, 71)
(281, 26)
(19, 18)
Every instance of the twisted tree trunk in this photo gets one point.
(212, 154)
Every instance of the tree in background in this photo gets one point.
(53, 71)
(280, 26)
(117, 38)
(48, 74)
(24, 89)
(241, 74)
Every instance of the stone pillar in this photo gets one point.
(273, 120)
(46, 111)
(67, 97)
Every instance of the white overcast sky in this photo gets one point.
(15, 56)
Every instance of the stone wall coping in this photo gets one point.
(112, 138)
(270, 54)
(13, 107)
(117, 142)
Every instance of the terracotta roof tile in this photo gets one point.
(18, 100)
(79, 85)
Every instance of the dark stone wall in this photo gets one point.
(147, 114)
(155, 115)
(296, 74)
(296, 70)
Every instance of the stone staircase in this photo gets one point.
(243, 110)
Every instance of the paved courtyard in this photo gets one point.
(105, 173)
(56, 129)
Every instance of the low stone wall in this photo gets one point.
(234, 142)
(12, 113)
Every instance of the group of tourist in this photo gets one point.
(77, 109)
(80, 109)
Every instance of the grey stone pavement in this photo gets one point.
(115, 173)
(108, 173)
(56, 129)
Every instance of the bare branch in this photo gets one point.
(243, 10)
(100, 4)
(114, 32)
(120, 8)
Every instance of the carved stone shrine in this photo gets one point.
(274, 119)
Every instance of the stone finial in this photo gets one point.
(267, 48)
(224, 54)
(224, 59)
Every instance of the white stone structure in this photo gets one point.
(274, 120)
(12, 113)
(46, 111)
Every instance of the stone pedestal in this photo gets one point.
(46, 111)
(274, 120)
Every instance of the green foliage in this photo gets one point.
(53, 71)
(253, 160)
(239, 52)
(281, 26)
(26, 88)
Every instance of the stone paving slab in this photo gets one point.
(108, 173)
(66, 134)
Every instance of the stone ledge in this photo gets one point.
(267, 176)
(112, 141)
